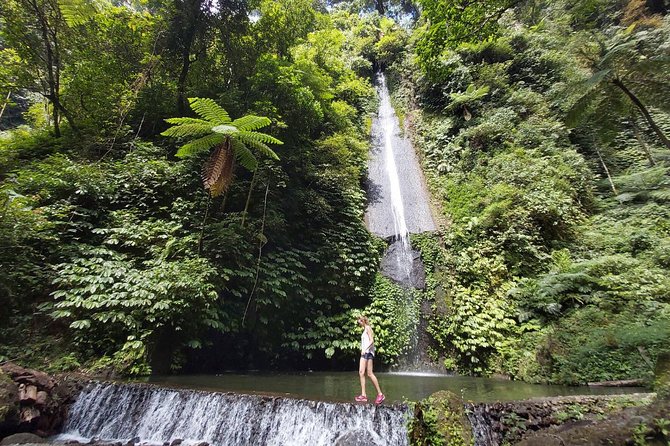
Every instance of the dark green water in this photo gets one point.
(343, 386)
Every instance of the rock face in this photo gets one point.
(32, 401)
(631, 425)
(540, 422)
(412, 275)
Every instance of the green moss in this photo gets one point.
(439, 420)
(8, 397)
(662, 375)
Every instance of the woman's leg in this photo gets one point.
(361, 374)
(372, 376)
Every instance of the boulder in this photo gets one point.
(32, 401)
(9, 402)
(23, 438)
(357, 437)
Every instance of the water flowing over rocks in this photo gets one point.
(413, 275)
(158, 415)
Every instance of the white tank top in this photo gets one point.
(366, 344)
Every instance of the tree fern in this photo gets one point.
(229, 141)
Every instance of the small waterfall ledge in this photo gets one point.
(157, 415)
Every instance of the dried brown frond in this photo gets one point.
(217, 174)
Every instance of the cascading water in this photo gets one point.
(396, 208)
(398, 205)
(158, 415)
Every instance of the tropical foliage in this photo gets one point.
(542, 127)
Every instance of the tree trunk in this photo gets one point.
(246, 205)
(607, 171)
(52, 96)
(4, 105)
(181, 84)
(379, 5)
(643, 110)
(643, 144)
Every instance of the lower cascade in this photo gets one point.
(157, 415)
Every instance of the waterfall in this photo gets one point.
(398, 203)
(157, 415)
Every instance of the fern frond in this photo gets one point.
(579, 109)
(596, 79)
(262, 148)
(78, 12)
(209, 110)
(200, 145)
(661, 195)
(244, 155)
(184, 130)
(217, 174)
(258, 136)
(179, 121)
(251, 122)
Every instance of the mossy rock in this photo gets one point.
(662, 374)
(9, 400)
(440, 419)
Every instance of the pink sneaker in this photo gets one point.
(361, 399)
(380, 398)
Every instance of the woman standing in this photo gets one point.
(367, 355)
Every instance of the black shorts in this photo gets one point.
(368, 356)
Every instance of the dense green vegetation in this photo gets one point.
(542, 128)
(544, 139)
(110, 241)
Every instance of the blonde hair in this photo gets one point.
(364, 320)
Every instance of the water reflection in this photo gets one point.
(343, 386)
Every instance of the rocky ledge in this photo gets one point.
(32, 401)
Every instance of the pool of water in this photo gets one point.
(343, 386)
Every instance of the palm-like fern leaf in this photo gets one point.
(200, 145)
(209, 110)
(580, 107)
(183, 130)
(78, 12)
(262, 147)
(258, 136)
(179, 121)
(231, 141)
(251, 122)
(243, 155)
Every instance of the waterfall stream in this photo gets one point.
(157, 415)
(398, 205)
(398, 202)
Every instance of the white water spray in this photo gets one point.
(389, 127)
(156, 415)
